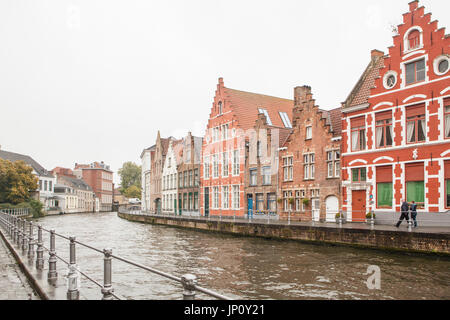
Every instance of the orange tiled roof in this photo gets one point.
(246, 105)
(361, 92)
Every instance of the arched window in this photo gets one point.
(413, 39)
(220, 107)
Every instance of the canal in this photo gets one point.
(240, 267)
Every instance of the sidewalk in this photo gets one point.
(13, 283)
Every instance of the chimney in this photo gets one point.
(413, 5)
(302, 94)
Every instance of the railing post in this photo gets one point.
(19, 232)
(25, 237)
(14, 230)
(52, 274)
(72, 278)
(31, 243)
(107, 275)
(39, 251)
(189, 281)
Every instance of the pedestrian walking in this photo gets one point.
(414, 213)
(405, 213)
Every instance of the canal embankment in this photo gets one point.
(426, 240)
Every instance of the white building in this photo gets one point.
(46, 180)
(146, 164)
(169, 178)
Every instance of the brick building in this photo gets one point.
(188, 170)
(396, 124)
(99, 177)
(158, 157)
(231, 123)
(309, 170)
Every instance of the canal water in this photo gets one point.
(240, 267)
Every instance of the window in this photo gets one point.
(284, 117)
(236, 197)
(264, 111)
(220, 107)
(253, 177)
(308, 166)
(288, 168)
(180, 180)
(215, 197)
(415, 186)
(359, 175)
(447, 182)
(297, 201)
(286, 196)
(191, 203)
(333, 164)
(196, 178)
(266, 176)
(258, 149)
(225, 164)
(308, 133)
(272, 202)
(259, 202)
(190, 178)
(206, 168)
(50, 186)
(413, 39)
(415, 71)
(443, 66)
(236, 162)
(383, 130)
(215, 166)
(225, 197)
(185, 203)
(196, 201)
(45, 185)
(415, 124)
(185, 178)
(384, 187)
(225, 132)
(40, 185)
(447, 119)
(358, 134)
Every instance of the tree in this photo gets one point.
(130, 175)
(132, 192)
(16, 182)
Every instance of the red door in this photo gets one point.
(358, 206)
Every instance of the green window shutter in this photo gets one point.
(415, 191)
(384, 196)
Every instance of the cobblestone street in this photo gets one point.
(13, 283)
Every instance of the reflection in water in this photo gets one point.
(239, 267)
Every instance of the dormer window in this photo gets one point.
(413, 39)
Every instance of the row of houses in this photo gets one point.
(389, 141)
(86, 188)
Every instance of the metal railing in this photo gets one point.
(18, 212)
(21, 233)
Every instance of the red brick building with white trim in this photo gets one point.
(396, 124)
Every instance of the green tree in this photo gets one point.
(130, 175)
(132, 192)
(16, 182)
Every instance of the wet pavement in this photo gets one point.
(13, 283)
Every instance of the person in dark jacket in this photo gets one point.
(414, 213)
(405, 212)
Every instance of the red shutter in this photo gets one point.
(447, 169)
(384, 174)
(446, 102)
(383, 115)
(416, 110)
(414, 172)
(358, 122)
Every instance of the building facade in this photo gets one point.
(99, 177)
(231, 123)
(309, 170)
(170, 176)
(396, 124)
(158, 157)
(146, 165)
(189, 176)
(73, 195)
(45, 192)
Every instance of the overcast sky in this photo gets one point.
(94, 80)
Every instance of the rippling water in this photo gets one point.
(240, 267)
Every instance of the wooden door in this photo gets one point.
(359, 205)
